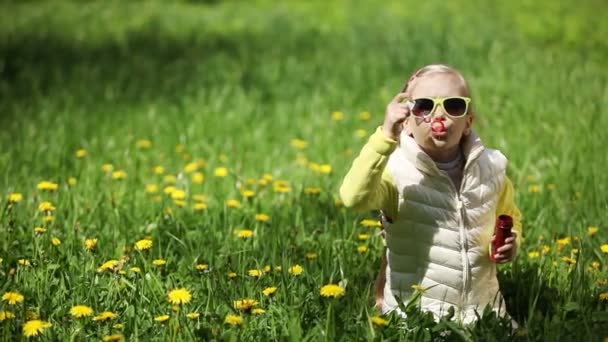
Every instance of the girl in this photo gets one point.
(440, 191)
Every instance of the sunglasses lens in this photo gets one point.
(422, 107)
(455, 106)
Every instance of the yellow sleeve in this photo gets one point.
(368, 185)
(506, 205)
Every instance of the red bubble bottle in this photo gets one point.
(502, 230)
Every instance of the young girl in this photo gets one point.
(440, 192)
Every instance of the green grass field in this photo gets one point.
(193, 125)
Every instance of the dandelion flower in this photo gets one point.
(49, 218)
(377, 320)
(363, 236)
(255, 273)
(39, 230)
(81, 153)
(151, 188)
(244, 233)
(79, 311)
(296, 270)
(198, 178)
(193, 315)
(90, 244)
(143, 144)
(312, 255)
(337, 116)
(135, 269)
(202, 267)
(533, 255)
(46, 206)
(371, 223)
(118, 326)
(107, 168)
(221, 172)
(360, 133)
(269, 291)
(233, 320)
(114, 337)
(162, 318)
(332, 290)
(46, 185)
(325, 168)
(245, 304)
(604, 248)
(604, 296)
(248, 193)
(200, 206)
(362, 249)
(4, 315)
(534, 188)
(143, 245)
(24, 262)
(169, 179)
(312, 190)
(232, 275)
(364, 116)
(159, 170)
(232, 203)
(15, 197)
(55, 241)
(12, 297)
(179, 296)
(262, 217)
(159, 262)
(119, 174)
(561, 243)
(258, 311)
(299, 143)
(72, 181)
(592, 230)
(109, 265)
(35, 327)
(282, 189)
(191, 167)
(178, 194)
(105, 316)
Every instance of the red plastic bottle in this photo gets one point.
(504, 223)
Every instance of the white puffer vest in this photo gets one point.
(440, 237)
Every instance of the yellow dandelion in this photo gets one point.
(180, 148)
(233, 319)
(135, 269)
(337, 116)
(311, 255)
(534, 188)
(561, 243)
(296, 270)
(377, 320)
(46, 206)
(90, 244)
(178, 194)
(569, 260)
(24, 262)
(232, 275)
(312, 190)
(109, 265)
(79, 311)
(169, 179)
(248, 193)
(151, 188)
(15, 197)
(143, 245)
(363, 236)
(55, 241)
(12, 297)
(604, 296)
(255, 273)
(179, 296)
(232, 203)
(595, 265)
(325, 168)
(143, 144)
(244, 233)
(267, 269)
(262, 217)
(81, 153)
(545, 249)
(202, 267)
(220, 172)
(159, 170)
(46, 185)
(159, 262)
(39, 230)
(362, 248)
(119, 174)
(193, 315)
(72, 181)
(4, 315)
(118, 326)
(364, 116)
(278, 268)
(35, 327)
(299, 143)
(107, 168)
(200, 206)
(162, 318)
(114, 337)
(360, 133)
(592, 230)
(332, 290)
(245, 304)
(604, 248)
(199, 198)
(258, 311)
(533, 255)
(371, 223)
(191, 167)
(105, 316)
(49, 218)
(198, 178)
(269, 291)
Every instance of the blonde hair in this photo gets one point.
(439, 68)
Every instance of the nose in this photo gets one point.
(439, 112)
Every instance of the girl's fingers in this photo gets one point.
(400, 97)
(509, 239)
(504, 248)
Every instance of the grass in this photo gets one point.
(231, 84)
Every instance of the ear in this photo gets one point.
(406, 126)
(469, 124)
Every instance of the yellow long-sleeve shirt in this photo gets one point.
(369, 186)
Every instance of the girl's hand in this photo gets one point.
(396, 113)
(508, 251)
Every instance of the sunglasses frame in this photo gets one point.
(438, 101)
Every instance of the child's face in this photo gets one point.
(441, 146)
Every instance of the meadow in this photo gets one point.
(170, 170)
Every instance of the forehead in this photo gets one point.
(438, 84)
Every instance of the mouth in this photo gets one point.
(438, 129)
